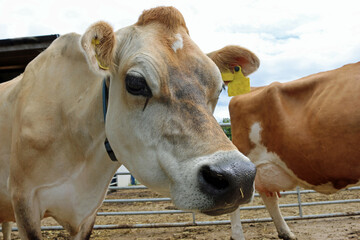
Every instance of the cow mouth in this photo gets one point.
(220, 211)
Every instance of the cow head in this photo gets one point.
(163, 91)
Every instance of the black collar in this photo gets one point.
(105, 97)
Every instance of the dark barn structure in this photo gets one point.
(16, 53)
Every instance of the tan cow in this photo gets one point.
(162, 91)
(300, 133)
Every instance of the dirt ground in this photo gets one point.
(339, 228)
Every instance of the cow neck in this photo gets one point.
(105, 97)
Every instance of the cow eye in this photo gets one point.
(136, 85)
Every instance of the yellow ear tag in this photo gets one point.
(238, 83)
(95, 42)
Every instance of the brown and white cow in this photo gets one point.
(300, 133)
(162, 90)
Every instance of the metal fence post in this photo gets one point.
(193, 216)
(299, 201)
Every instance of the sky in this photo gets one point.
(292, 39)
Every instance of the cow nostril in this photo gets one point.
(214, 178)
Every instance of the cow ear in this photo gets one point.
(98, 43)
(230, 56)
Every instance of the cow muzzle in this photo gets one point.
(229, 183)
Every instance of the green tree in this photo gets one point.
(227, 130)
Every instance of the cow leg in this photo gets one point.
(27, 217)
(272, 205)
(85, 229)
(236, 228)
(6, 230)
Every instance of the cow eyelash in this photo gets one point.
(146, 103)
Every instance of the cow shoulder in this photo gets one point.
(252, 108)
(51, 84)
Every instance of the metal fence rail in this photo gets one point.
(194, 222)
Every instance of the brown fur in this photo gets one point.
(231, 56)
(168, 16)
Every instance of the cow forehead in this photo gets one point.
(162, 36)
(174, 58)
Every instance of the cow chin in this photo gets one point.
(202, 203)
(219, 211)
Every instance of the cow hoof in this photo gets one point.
(289, 236)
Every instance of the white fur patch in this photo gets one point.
(273, 171)
(178, 44)
(255, 133)
(259, 155)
